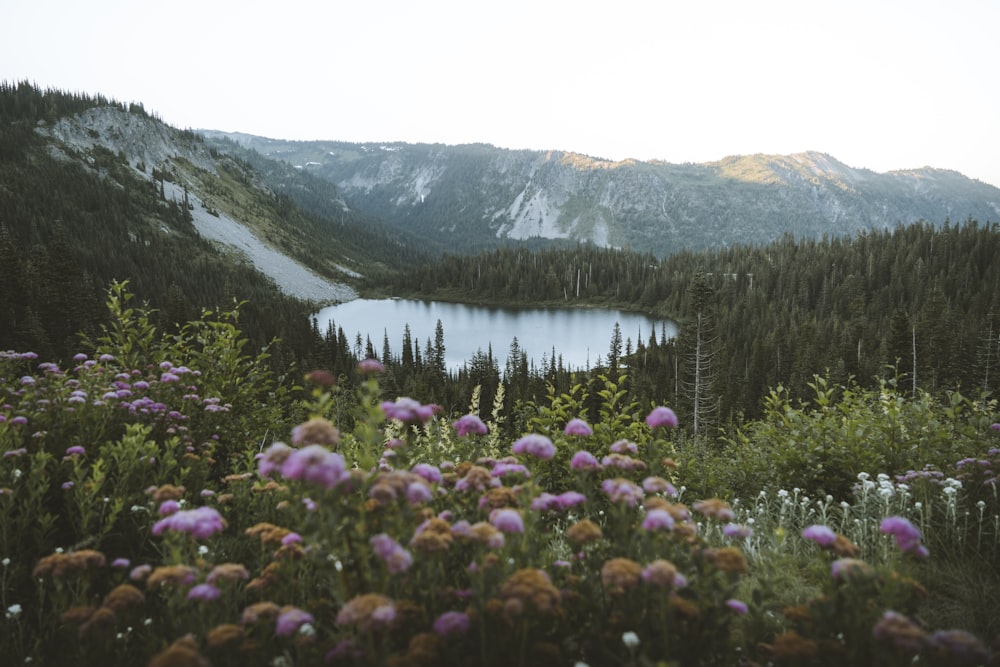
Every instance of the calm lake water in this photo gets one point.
(580, 335)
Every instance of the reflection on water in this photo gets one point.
(580, 335)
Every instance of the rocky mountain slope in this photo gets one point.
(475, 195)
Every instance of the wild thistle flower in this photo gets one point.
(409, 411)
(290, 620)
(658, 519)
(728, 559)
(535, 445)
(620, 574)
(507, 520)
(578, 427)
(204, 593)
(584, 460)
(901, 632)
(737, 531)
(224, 636)
(429, 472)
(661, 416)
(469, 425)
(175, 575)
(200, 522)
(529, 588)
(662, 573)
(715, 508)
(370, 366)
(959, 648)
(624, 447)
(451, 623)
(583, 532)
(822, 535)
(123, 597)
(316, 431)
(317, 465)
(367, 612)
(906, 535)
(737, 606)
(623, 462)
(259, 611)
(621, 490)
(228, 572)
(851, 569)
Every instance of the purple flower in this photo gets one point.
(121, 563)
(66, 486)
(106, 357)
(536, 445)
(737, 531)
(200, 523)
(624, 447)
(995, 426)
(418, 493)
(290, 620)
(621, 490)
(19, 420)
(907, 535)
(204, 593)
(548, 502)
(820, 534)
(504, 468)
(371, 366)
(14, 452)
(429, 472)
(75, 450)
(738, 606)
(291, 538)
(317, 465)
(409, 411)
(507, 520)
(396, 558)
(568, 499)
(578, 427)
(451, 623)
(658, 485)
(272, 459)
(168, 507)
(661, 416)
(469, 424)
(584, 460)
(657, 519)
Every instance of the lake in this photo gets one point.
(580, 335)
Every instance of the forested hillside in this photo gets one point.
(776, 314)
(75, 217)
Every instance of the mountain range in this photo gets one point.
(473, 196)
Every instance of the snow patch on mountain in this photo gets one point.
(291, 277)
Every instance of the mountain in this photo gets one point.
(472, 196)
(93, 191)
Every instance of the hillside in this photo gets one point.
(93, 191)
(477, 195)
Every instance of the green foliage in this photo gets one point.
(845, 430)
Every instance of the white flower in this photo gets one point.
(13, 611)
(307, 630)
(949, 490)
(5, 562)
(630, 639)
(863, 476)
(782, 493)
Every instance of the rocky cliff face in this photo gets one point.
(476, 194)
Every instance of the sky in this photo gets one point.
(877, 84)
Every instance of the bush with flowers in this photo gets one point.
(403, 536)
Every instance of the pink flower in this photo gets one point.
(507, 520)
(738, 606)
(658, 485)
(621, 490)
(409, 411)
(290, 620)
(578, 427)
(737, 531)
(820, 534)
(661, 416)
(429, 472)
(907, 535)
(317, 465)
(624, 447)
(657, 519)
(469, 424)
(204, 593)
(584, 460)
(536, 445)
(370, 366)
(200, 523)
(451, 623)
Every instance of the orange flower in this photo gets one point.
(583, 532)
(532, 587)
(619, 574)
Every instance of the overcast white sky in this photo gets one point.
(880, 84)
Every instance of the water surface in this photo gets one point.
(580, 335)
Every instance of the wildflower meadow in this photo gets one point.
(165, 499)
